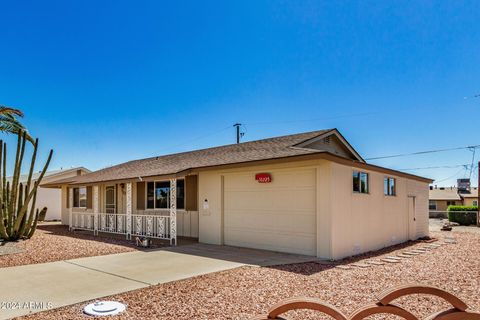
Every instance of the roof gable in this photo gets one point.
(333, 142)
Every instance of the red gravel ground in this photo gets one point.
(55, 242)
(245, 292)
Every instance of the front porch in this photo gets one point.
(157, 209)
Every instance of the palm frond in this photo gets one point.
(10, 124)
(4, 110)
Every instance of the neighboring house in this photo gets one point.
(470, 198)
(309, 193)
(48, 197)
(442, 197)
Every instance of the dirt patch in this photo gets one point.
(248, 291)
(54, 242)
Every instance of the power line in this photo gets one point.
(437, 167)
(456, 174)
(423, 152)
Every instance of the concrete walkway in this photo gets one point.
(33, 288)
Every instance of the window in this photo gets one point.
(475, 203)
(451, 203)
(158, 194)
(360, 182)
(80, 197)
(432, 205)
(389, 186)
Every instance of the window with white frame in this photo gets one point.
(432, 205)
(80, 197)
(158, 194)
(360, 182)
(389, 186)
(475, 203)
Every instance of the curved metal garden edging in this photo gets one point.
(383, 306)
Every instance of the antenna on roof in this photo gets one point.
(239, 134)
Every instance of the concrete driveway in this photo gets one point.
(33, 288)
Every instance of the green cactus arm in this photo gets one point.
(26, 227)
(24, 208)
(4, 180)
(34, 227)
(20, 202)
(1, 172)
(32, 166)
(3, 230)
(16, 177)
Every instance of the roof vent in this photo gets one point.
(104, 308)
(326, 140)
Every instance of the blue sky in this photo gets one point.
(103, 82)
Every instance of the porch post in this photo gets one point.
(95, 210)
(129, 210)
(173, 211)
(70, 202)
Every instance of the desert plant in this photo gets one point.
(18, 217)
(9, 122)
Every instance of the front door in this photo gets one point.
(412, 223)
(110, 199)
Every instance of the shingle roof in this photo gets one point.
(272, 148)
(444, 194)
(49, 176)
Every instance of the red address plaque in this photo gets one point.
(263, 177)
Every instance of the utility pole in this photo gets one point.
(239, 134)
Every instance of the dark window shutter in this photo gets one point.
(140, 195)
(191, 193)
(68, 198)
(89, 198)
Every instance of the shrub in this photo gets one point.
(464, 215)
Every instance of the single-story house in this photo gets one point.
(309, 193)
(470, 198)
(440, 198)
(48, 197)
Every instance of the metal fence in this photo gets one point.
(151, 226)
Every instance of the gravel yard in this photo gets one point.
(53, 242)
(244, 292)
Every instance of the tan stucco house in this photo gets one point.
(50, 197)
(440, 198)
(309, 193)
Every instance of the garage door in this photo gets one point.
(278, 216)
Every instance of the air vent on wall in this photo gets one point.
(326, 140)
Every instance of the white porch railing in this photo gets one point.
(150, 226)
(153, 226)
(83, 221)
(112, 223)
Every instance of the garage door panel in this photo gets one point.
(295, 243)
(302, 199)
(279, 216)
(272, 220)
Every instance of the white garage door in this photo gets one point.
(278, 216)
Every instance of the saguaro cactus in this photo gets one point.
(18, 217)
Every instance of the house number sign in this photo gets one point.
(263, 177)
